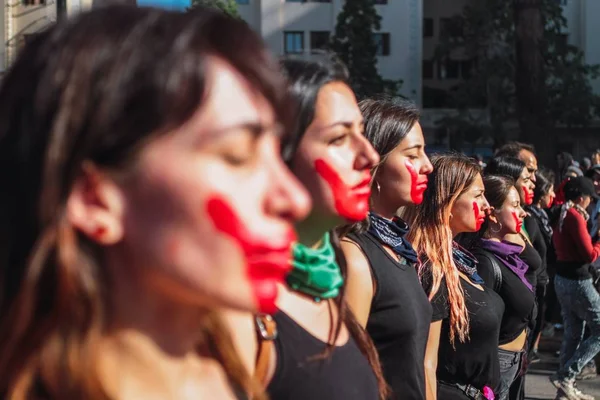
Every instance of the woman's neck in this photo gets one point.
(311, 230)
(384, 211)
(149, 336)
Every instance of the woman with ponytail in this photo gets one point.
(142, 190)
(462, 354)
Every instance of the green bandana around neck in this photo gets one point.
(315, 272)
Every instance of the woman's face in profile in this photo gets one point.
(208, 213)
(334, 159)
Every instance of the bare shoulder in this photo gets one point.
(355, 257)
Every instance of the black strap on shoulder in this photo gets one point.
(495, 267)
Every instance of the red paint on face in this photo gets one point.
(528, 194)
(518, 222)
(351, 203)
(550, 201)
(268, 260)
(479, 216)
(417, 187)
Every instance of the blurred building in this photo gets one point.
(301, 28)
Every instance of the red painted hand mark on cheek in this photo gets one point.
(268, 260)
(528, 194)
(350, 203)
(479, 216)
(550, 201)
(518, 222)
(417, 187)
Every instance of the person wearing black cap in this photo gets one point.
(579, 300)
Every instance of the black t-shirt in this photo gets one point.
(299, 375)
(533, 260)
(474, 362)
(540, 245)
(519, 301)
(399, 319)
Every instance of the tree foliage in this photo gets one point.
(227, 6)
(485, 33)
(354, 44)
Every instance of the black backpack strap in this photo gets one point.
(495, 267)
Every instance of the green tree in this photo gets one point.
(523, 70)
(354, 44)
(227, 6)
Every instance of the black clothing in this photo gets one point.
(533, 260)
(540, 244)
(519, 301)
(474, 362)
(574, 270)
(346, 375)
(399, 319)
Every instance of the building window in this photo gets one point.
(319, 40)
(382, 40)
(449, 69)
(380, 1)
(427, 69)
(242, 1)
(293, 42)
(33, 2)
(466, 68)
(450, 27)
(427, 27)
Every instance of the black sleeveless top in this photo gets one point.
(399, 319)
(474, 362)
(532, 258)
(346, 375)
(518, 299)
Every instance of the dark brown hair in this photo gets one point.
(305, 80)
(94, 89)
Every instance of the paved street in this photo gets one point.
(538, 387)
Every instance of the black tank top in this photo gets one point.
(518, 299)
(533, 259)
(299, 375)
(399, 319)
(474, 362)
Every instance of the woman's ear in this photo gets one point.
(95, 206)
(492, 217)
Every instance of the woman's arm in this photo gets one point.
(359, 282)
(431, 360)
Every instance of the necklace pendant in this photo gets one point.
(317, 299)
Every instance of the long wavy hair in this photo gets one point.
(431, 236)
(95, 89)
(305, 80)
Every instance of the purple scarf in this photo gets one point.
(508, 253)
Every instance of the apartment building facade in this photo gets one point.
(301, 28)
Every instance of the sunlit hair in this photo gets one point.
(430, 234)
(95, 89)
